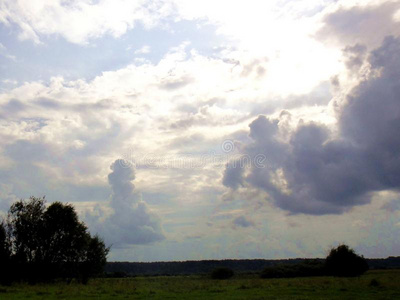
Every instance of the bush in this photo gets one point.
(222, 273)
(344, 262)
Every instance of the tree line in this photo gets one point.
(39, 243)
(341, 261)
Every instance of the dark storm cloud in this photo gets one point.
(318, 173)
(365, 25)
(131, 222)
(233, 175)
(355, 56)
(371, 120)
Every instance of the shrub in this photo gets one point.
(222, 273)
(344, 262)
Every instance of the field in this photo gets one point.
(382, 284)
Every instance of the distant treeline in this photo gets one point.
(237, 265)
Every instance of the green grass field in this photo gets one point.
(383, 284)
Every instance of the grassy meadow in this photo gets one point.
(379, 284)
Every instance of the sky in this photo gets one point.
(188, 130)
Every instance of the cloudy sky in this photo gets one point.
(207, 129)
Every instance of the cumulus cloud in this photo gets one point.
(318, 172)
(362, 24)
(68, 131)
(130, 222)
(355, 56)
(233, 175)
(79, 20)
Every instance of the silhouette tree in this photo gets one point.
(344, 262)
(65, 240)
(25, 226)
(5, 276)
(47, 243)
(95, 258)
(4, 249)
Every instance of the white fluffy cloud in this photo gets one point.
(80, 20)
(130, 221)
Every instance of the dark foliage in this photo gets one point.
(42, 244)
(5, 276)
(341, 261)
(237, 265)
(222, 273)
(197, 267)
(305, 269)
(344, 262)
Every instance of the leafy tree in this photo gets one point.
(25, 226)
(65, 240)
(47, 243)
(95, 257)
(344, 262)
(4, 249)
